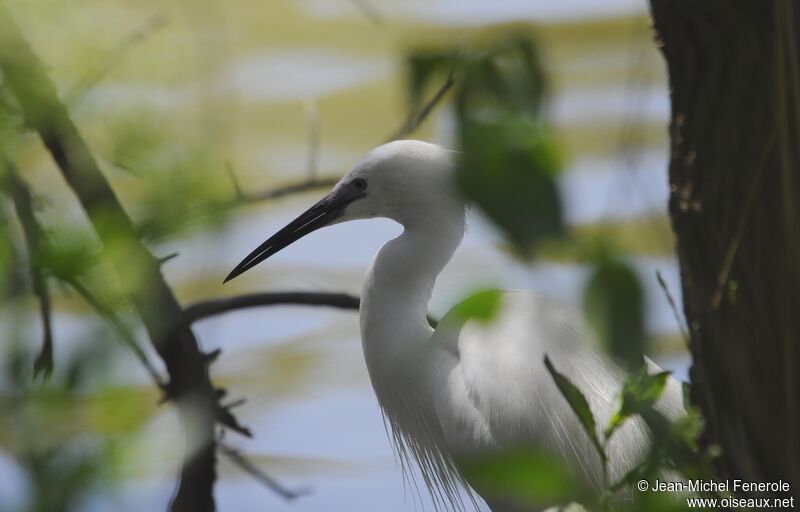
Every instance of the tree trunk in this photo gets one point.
(735, 89)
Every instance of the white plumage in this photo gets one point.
(466, 388)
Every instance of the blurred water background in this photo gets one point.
(196, 90)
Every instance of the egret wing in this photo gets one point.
(495, 392)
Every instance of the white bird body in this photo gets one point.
(467, 388)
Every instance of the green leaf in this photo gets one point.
(579, 405)
(639, 393)
(509, 171)
(69, 256)
(533, 71)
(481, 306)
(686, 429)
(522, 475)
(424, 65)
(613, 301)
(510, 161)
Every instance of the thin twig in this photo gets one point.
(33, 233)
(34, 239)
(205, 309)
(237, 189)
(673, 305)
(164, 259)
(119, 327)
(236, 403)
(85, 84)
(369, 11)
(415, 119)
(242, 462)
(312, 162)
(733, 246)
(223, 415)
(311, 182)
(412, 122)
(286, 190)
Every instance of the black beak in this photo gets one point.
(319, 215)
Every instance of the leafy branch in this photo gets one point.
(639, 393)
(580, 406)
(674, 443)
(189, 383)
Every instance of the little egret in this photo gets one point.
(467, 388)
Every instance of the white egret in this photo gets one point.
(466, 388)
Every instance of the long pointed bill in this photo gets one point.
(321, 214)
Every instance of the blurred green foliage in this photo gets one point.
(580, 406)
(674, 449)
(69, 440)
(524, 476)
(639, 393)
(614, 304)
(74, 432)
(510, 159)
(481, 306)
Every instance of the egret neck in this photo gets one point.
(399, 283)
(396, 338)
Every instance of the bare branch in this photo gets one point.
(412, 122)
(415, 119)
(23, 204)
(164, 259)
(311, 182)
(85, 84)
(293, 188)
(34, 239)
(369, 11)
(121, 329)
(237, 189)
(205, 309)
(312, 163)
(240, 460)
(236, 403)
(226, 418)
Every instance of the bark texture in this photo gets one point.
(735, 90)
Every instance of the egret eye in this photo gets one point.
(359, 183)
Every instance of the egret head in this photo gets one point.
(407, 181)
